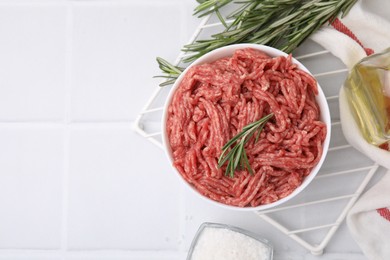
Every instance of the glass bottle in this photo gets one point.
(368, 91)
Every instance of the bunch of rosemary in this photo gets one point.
(283, 24)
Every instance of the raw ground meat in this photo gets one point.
(215, 101)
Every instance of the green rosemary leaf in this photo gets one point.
(237, 154)
(167, 67)
(246, 162)
(171, 72)
(230, 169)
(285, 20)
(221, 19)
(167, 82)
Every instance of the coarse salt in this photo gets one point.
(225, 244)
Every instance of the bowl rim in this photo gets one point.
(273, 52)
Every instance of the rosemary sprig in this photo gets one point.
(283, 24)
(236, 157)
(171, 72)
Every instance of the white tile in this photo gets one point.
(122, 192)
(114, 48)
(192, 22)
(26, 256)
(31, 165)
(32, 64)
(133, 256)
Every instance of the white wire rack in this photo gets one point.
(343, 176)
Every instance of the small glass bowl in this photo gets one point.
(217, 239)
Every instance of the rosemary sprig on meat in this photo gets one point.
(283, 24)
(233, 152)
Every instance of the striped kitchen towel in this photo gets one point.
(352, 38)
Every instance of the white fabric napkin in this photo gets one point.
(369, 219)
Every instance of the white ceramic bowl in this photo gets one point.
(226, 52)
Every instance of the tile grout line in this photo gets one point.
(80, 2)
(46, 123)
(182, 201)
(67, 119)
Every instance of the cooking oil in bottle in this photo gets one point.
(368, 90)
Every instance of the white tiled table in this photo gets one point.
(76, 182)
